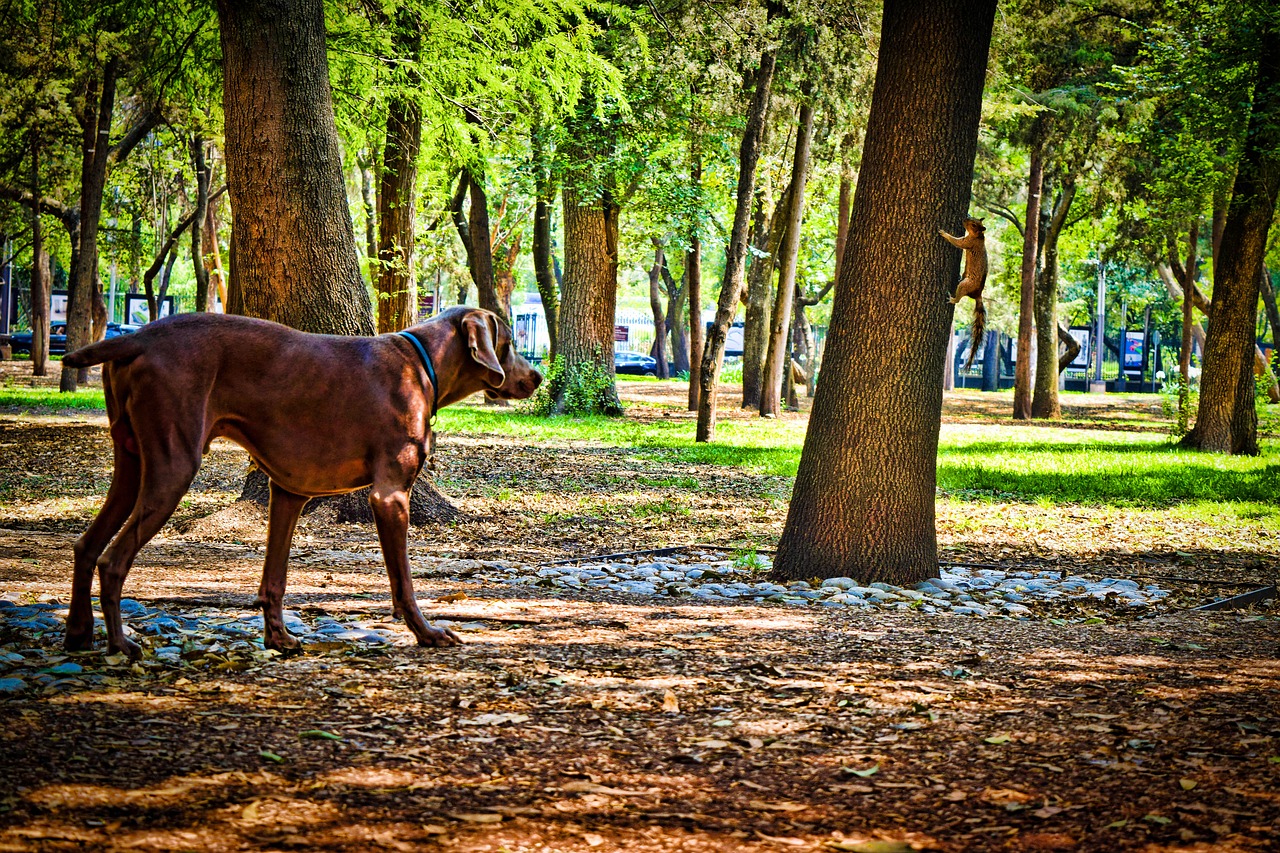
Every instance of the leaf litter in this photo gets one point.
(584, 719)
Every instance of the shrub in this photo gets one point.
(585, 388)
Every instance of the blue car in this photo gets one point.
(21, 341)
(635, 363)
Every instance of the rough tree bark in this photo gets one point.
(198, 222)
(1227, 420)
(39, 271)
(731, 284)
(677, 327)
(779, 357)
(756, 327)
(863, 504)
(1045, 403)
(1273, 314)
(590, 291)
(655, 306)
(295, 250)
(543, 269)
(693, 281)
(95, 122)
(1026, 303)
(396, 286)
(293, 257)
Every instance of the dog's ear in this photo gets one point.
(481, 331)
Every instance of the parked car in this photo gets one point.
(635, 363)
(21, 341)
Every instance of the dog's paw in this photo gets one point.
(438, 638)
(283, 642)
(78, 641)
(129, 647)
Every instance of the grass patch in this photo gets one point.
(50, 399)
(976, 462)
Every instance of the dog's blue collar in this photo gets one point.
(431, 370)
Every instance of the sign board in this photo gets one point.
(621, 334)
(58, 307)
(1133, 342)
(426, 303)
(1082, 336)
(135, 309)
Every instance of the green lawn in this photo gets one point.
(993, 461)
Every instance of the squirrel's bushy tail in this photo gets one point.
(979, 329)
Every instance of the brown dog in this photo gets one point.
(320, 414)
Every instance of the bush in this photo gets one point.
(583, 389)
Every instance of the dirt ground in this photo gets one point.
(577, 721)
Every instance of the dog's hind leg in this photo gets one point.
(390, 503)
(284, 512)
(121, 497)
(166, 475)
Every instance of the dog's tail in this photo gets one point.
(979, 328)
(122, 348)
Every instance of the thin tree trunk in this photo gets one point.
(1026, 304)
(863, 503)
(755, 325)
(396, 285)
(677, 327)
(1072, 346)
(1273, 315)
(198, 221)
(96, 124)
(1045, 402)
(1184, 355)
(543, 269)
(370, 202)
(213, 255)
(731, 284)
(39, 271)
(778, 363)
(482, 248)
(693, 281)
(655, 305)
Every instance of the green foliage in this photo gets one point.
(585, 388)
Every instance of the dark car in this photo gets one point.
(21, 341)
(635, 363)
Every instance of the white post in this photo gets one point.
(1099, 385)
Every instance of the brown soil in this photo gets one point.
(578, 722)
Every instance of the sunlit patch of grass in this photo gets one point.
(50, 399)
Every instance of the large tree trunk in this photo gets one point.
(396, 286)
(590, 291)
(731, 284)
(198, 223)
(655, 306)
(1227, 421)
(693, 281)
(293, 257)
(39, 273)
(779, 357)
(1026, 304)
(95, 121)
(863, 504)
(1045, 403)
(295, 250)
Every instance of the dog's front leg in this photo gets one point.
(284, 512)
(390, 505)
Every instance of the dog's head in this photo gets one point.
(485, 358)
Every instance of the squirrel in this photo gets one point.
(975, 277)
